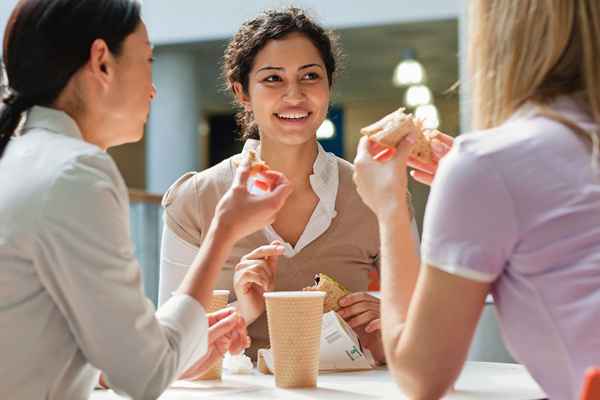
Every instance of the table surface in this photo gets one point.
(479, 380)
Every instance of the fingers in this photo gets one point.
(253, 276)
(421, 166)
(262, 252)
(223, 327)
(445, 139)
(439, 148)
(374, 325)
(363, 319)
(422, 177)
(358, 297)
(242, 173)
(216, 316)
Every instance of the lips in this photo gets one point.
(293, 116)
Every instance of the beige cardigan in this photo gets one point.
(348, 250)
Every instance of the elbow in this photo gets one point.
(418, 379)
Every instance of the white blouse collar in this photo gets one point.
(52, 120)
(324, 181)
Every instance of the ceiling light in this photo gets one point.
(430, 116)
(408, 71)
(417, 95)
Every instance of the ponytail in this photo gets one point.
(11, 113)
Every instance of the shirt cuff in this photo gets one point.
(187, 318)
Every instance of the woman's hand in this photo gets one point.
(226, 332)
(382, 183)
(242, 213)
(254, 275)
(363, 313)
(425, 173)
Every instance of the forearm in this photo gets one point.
(202, 276)
(246, 312)
(399, 271)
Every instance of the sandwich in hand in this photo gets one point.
(257, 169)
(333, 289)
(389, 131)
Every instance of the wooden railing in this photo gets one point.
(145, 219)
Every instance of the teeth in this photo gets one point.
(293, 116)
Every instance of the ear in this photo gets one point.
(101, 63)
(241, 96)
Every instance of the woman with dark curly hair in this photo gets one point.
(280, 67)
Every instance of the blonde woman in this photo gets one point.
(514, 208)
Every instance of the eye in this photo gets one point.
(311, 76)
(272, 79)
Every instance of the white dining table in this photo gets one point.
(478, 380)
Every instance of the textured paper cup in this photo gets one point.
(294, 320)
(219, 300)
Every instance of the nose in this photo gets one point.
(294, 93)
(153, 92)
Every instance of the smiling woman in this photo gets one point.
(280, 67)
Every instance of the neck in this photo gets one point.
(294, 161)
(92, 125)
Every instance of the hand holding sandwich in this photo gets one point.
(362, 312)
(424, 172)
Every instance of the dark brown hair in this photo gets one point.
(47, 41)
(254, 35)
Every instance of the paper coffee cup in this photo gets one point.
(294, 320)
(220, 299)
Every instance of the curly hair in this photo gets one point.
(254, 35)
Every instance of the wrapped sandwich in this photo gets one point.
(389, 131)
(335, 291)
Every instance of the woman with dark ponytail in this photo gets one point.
(79, 80)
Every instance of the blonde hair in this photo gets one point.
(533, 50)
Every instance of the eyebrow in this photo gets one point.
(270, 68)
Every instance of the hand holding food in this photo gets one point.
(333, 289)
(389, 132)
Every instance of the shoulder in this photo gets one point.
(87, 181)
(190, 202)
(190, 185)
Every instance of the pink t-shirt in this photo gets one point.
(519, 206)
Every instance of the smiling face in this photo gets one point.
(288, 90)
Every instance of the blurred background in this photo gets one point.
(398, 53)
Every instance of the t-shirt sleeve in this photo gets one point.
(182, 209)
(470, 227)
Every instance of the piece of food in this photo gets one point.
(257, 168)
(335, 291)
(391, 129)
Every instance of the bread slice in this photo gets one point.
(335, 291)
(257, 166)
(391, 129)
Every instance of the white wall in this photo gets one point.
(175, 21)
(6, 7)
